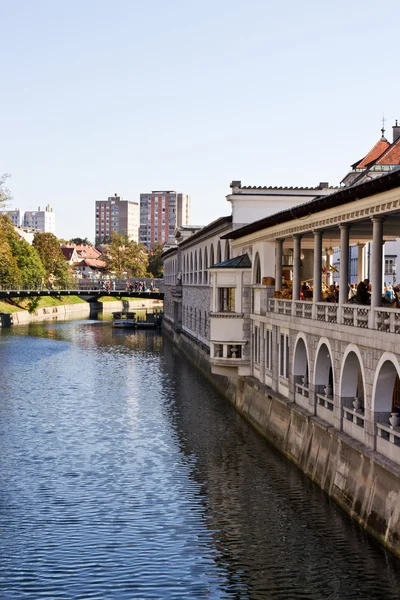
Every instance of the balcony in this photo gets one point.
(384, 319)
(228, 341)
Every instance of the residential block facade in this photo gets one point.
(119, 215)
(161, 213)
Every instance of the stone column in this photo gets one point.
(278, 264)
(344, 263)
(360, 263)
(296, 266)
(376, 262)
(317, 266)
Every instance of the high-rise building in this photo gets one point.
(15, 216)
(41, 220)
(161, 212)
(119, 215)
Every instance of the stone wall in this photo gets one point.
(195, 309)
(361, 481)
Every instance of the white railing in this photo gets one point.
(350, 414)
(282, 307)
(302, 390)
(303, 309)
(355, 315)
(352, 315)
(325, 402)
(327, 312)
(387, 319)
(385, 431)
(229, 351)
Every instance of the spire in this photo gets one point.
(383, 139)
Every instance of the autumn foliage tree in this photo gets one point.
(124, 257)
(156, 265)
(20, 263)
(52, 258)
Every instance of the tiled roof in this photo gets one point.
(239, 262)
(391, 156)
(68, 252)
(88, 262)
(274, 187)
(373, 154)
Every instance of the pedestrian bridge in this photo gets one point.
(90, 295)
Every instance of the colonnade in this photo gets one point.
(345, 229)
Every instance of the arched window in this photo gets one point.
(219, 252)
(205, 273)
(227, 250)
(212, 255)
(257, 269)
(191, 268)
(200, 280)
(195, 267)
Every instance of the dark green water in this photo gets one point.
(125, 475)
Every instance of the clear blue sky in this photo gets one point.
(101, 97)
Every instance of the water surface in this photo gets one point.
(125, 475)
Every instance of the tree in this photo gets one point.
(29, 263)
(5, 194)
(123, 256)
(156, 264)
(80, 241)
(52, 258)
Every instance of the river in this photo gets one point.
(124, 475)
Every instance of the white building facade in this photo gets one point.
(41, 220)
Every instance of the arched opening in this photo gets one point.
(227, 250)
(257, 269)
(301, 374)
(352, 396)
(219, 252)
(352, 383)
(300, 364)
(324, 384)
(191, 267)
(205, 273)
(387, 390)
(212, 255)
(195, 267)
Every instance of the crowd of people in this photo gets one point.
(358, 293)
(139, 286)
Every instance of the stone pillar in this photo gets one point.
(296, 266)
(278, 264)
(360, 263)
(344, 263)
(317, 295)
(376, 261)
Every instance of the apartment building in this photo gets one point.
(119, 215)
(161, 212)
(41, 220)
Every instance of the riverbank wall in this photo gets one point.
(361, 481)
(82, 310)
(62, 312)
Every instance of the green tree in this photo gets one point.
(156, 264)
(29, 263)
(5, 194)
(53, 259)
(123, 256)
(80, 241)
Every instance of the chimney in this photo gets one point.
(323, 185)
(236, 184)
(396, 131)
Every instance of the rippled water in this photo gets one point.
(125, 475)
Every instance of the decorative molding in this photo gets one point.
(226, 315)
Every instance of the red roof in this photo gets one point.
(391, 156)
(68, 252)
(373, 154)
(92, 263)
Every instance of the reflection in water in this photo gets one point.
(125, 475)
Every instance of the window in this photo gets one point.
(256, 345)
(284, 356)
(268, 349)
(226, 299)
